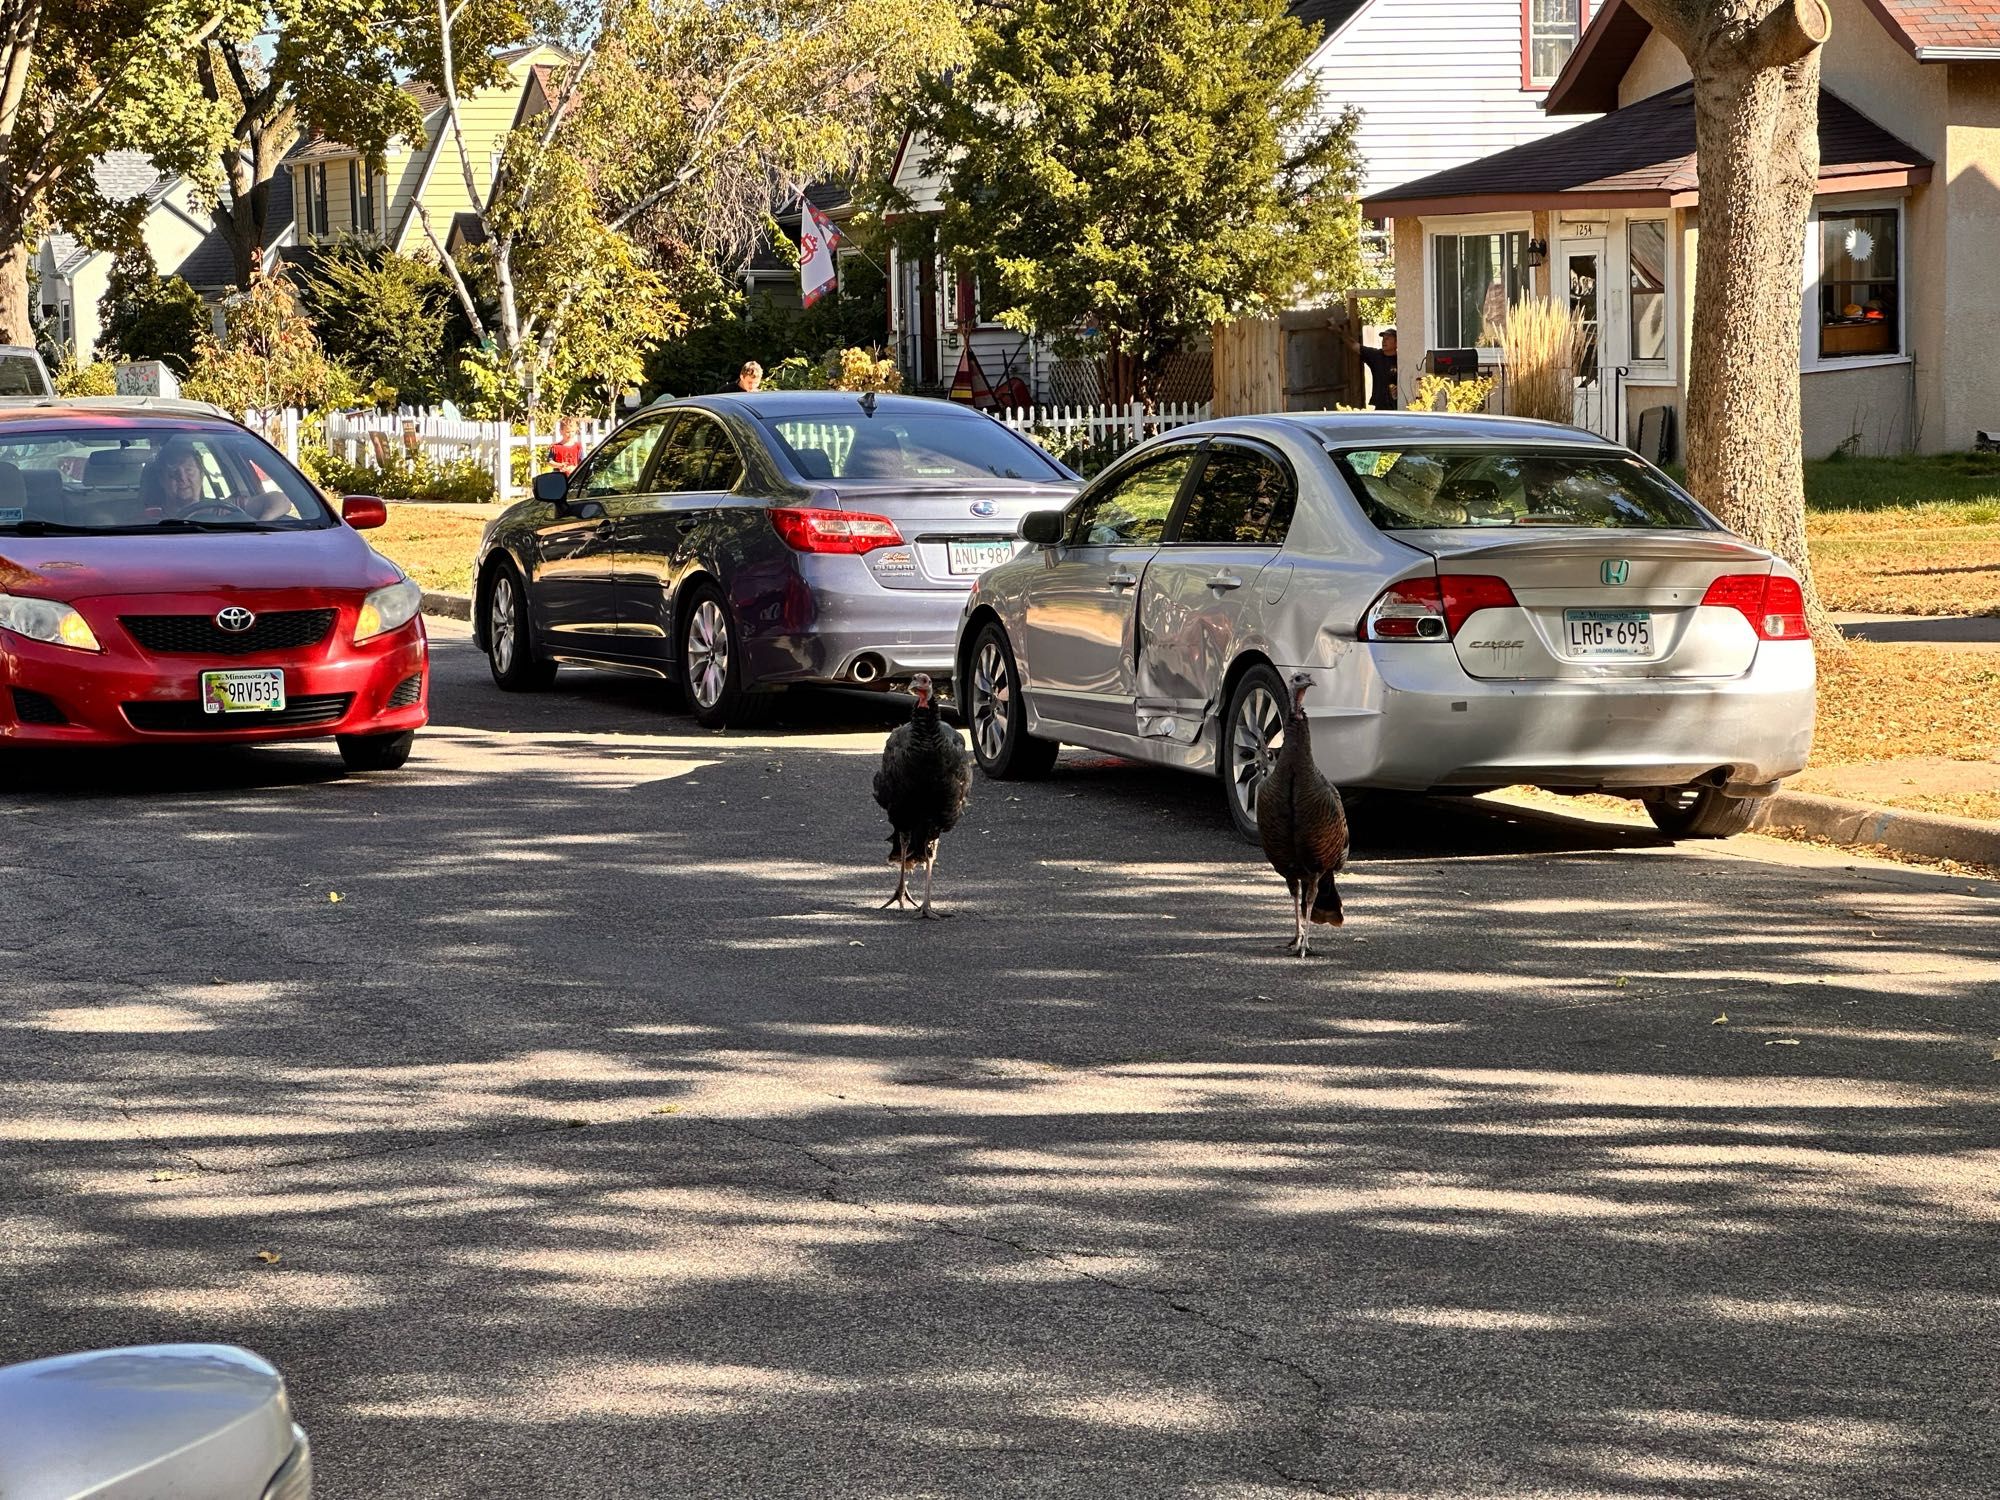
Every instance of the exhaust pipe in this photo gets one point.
(866, 668)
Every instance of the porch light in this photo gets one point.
(1538, 252)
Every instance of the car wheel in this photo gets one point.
(712, 665)
(1255, 717)
(511, 654)
(1700, 812)
(997, 715)
(376, 752)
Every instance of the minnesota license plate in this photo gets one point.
(243, 692)
(970, 559)
(1591, 633)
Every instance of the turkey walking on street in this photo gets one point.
(925, 778)
(1303, 826)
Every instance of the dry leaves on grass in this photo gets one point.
(1882, 701)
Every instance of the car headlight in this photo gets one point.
(388, 609)
(46, 620)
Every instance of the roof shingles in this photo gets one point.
(1973, 24)
(1642, 154)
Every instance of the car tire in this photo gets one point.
(711, 665)
(512, 656)
(376, 752)
(1255, 715)
(996, 713)
(1700, 812)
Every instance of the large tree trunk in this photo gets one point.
(16, 327)
(1756, 66)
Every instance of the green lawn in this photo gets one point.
(1914, 536)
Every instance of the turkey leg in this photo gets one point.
(1308, 893)
(925, 910)
(1298, 918)
(902, 896)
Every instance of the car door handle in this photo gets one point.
(1225, 581)
(1122, 579)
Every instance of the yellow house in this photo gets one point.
(339, 195)
(1902, 306)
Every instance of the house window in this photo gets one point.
(1549, 33)
(1479, 276)
(361, 197)
(1860, 291)
(1646, 250)
(315, 181)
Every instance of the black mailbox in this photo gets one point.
(1455, 364)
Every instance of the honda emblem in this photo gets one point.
(1615, 570)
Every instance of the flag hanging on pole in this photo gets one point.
(817, 238)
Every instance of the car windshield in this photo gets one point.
(898, 447)
(1404, 489)
(120, 477)
(21, 375)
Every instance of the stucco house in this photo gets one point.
(1436, 84)
(1902, 306)
(341, 195)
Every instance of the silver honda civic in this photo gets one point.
(1480, 602)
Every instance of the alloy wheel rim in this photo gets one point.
(708, 653)
(1257, 726)
(503, 623)
(992, 698)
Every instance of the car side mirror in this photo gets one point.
(1044, 528)
(363, 512)
(166, 1419)
(552, 487)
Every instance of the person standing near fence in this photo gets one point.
(567, 451)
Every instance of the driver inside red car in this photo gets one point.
(173, 484)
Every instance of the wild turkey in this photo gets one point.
(1303, 826)
(925, 778)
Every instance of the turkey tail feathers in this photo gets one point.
(1326, 905)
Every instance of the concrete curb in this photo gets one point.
(1861, 824)
(1864, 825)
(448, 606)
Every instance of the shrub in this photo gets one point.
(381, 314)
(268, 356)
(1542, 347)
(454, 481)
(94, 379)
(147, 316)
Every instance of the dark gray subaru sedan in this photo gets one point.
(743, 543)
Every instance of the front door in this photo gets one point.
(1082, 609)
(1583, 274)
(696, 475)
(576, 593)
(1202, 594)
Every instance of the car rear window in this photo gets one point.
(116, 477)
(1407, 489)
(21, 375)
(898, 447)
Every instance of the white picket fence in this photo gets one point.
(372, 439)
(1114, 426)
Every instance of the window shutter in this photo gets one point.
(968, 299)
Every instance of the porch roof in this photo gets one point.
(1642, 156)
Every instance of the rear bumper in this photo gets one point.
(831, 613)
(1407, 717)
(342, 689)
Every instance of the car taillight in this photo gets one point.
(1774, 605)
(1433, 609)
(833, 530)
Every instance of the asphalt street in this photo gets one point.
(602, 1138)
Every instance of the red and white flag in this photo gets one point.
(816, 266)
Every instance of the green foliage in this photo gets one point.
(149, 317)
(1436, 393)
(1137, 172)
(382, 315)
(96, 378)
(457, 481)
(269, 357)
(728, 330)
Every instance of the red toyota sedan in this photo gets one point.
(167, 577)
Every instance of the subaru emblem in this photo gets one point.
(1615, 570)
(235, 619)
(984, 507)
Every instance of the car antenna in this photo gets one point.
(868, 402)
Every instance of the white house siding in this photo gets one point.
(1438, 85)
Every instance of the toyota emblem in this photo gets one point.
(235, 619)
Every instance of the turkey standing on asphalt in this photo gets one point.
(1303, 826)
(925, 778)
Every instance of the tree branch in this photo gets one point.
(1788, 34)
(1679, 21)
(451, 269)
